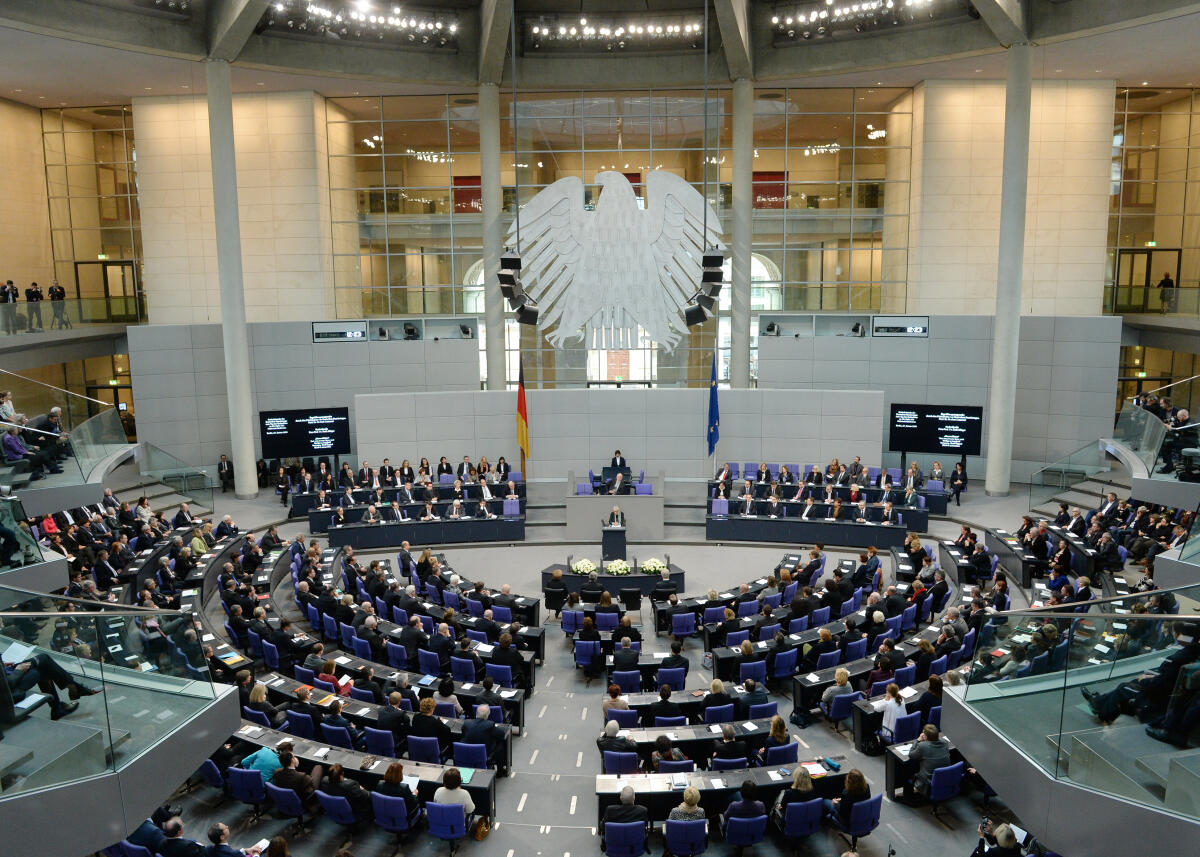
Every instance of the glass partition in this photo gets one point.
(18, 547)
(95, 685)
(1055, 478)
(1106, 696)
(1141, 431)
(191, 483)
(38, 455)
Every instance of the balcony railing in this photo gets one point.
(143, 666)
(24, 318)
(1074, 690)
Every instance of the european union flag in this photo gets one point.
(714, 412)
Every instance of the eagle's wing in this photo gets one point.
(675, 232)
(553, 236)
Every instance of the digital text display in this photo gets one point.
(936, 429)
(297, 434)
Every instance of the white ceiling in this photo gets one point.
(44, 71)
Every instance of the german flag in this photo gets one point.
(522, 417)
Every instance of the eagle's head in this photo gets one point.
(615, 190)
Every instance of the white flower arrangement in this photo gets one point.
(583, 566)
(617, 567)
(654, 565)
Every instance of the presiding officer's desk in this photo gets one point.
(284, 689)
(736, 528)
(444, 531)
(468, 693)
(482, 787)
(698, 741)
(659, 794)
(644, 516)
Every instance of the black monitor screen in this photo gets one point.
(936, 429)
(297, 434)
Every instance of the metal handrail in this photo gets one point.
(1164, 387)
(52, 387)
(27, 428)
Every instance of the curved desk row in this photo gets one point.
(798, 531)
(482, 786)
(320, 520)
(658, 793)
(935, 499)
(303, 502)
(393, 533)
(614, 583)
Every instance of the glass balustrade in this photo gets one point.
(1058, 477)
(1106, 697)
(91, 686)
(24, 318)
(17, 545)
(194, 485)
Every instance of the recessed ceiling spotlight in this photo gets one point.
(1145, 83)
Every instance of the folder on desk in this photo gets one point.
(466, 773)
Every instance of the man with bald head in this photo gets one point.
(442, 644)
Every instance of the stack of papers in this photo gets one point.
(815, 769)
(908, 692)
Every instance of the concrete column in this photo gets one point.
(229, 276)
(1006, 330)
(743, 212)
(493, 230)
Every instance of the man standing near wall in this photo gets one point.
(9, 295)
(1166, 293)
(34, 297)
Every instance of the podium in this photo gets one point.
(612, 542)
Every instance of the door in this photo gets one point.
(108, 291)
(1138, 274)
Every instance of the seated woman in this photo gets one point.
(716, 696)
(328, 674)
(893, 709)
(854, 790)
(258, 702)
(925, 655)
(393, 785)
(665, 752)
(336, 783)
(930, 699)
(800, 791)
(777, 737)
(606, 603)
(883, 672)
(451, 791)
(445, 693)
(690, 809)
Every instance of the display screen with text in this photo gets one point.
(936, 429)
(297, 434)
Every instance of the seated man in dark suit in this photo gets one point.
(664, 707)
(481, 730)
(175, 845)
(626, 657)
(218, 835)
(611, 742)
(624, 812)
(592, 590)
(618, 485)
(730, 747)
(931, 753)
(676, 660)
(506, 655)
(336, 783)
(663, 587)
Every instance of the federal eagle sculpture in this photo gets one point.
(599, 275)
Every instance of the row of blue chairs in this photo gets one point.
(798, 822)
(446, 821)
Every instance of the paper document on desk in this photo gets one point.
(412, 782)
(343, 660)
(749, 726)
(902, 751)
(908, 692)
(812, 677)
(774, 776)
(17, 653)
(715, 728)
(815, 769)
(485, 647)
(322, 753)
(507, 694)
(718, 783)
(879, 704)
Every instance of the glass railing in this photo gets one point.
(1104, 698)
(194, 485)
(24, 318)
(1183, 302)
(1141, 431)
(17, 545)
(34, 455)
(1060, 476)
(91, 687)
